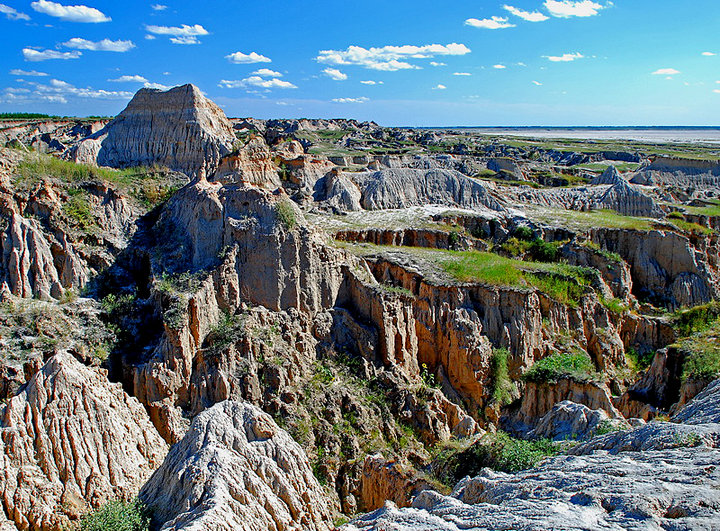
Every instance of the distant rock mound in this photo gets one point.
(405, 187)
(610, 176)
(235, 469)
(179, 128)
(629, 201)
(69, 442)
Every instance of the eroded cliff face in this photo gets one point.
(69, 442)
(236, 469)
(179, 129)
(56, 237)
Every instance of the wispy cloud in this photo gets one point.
(78, 13)
(564, 58)
(156, 86)
(537, 83)
(499, 67)
(361, 99)
(57, 91)
(709, 54)
(43, 55)
(158, 7)
(570, 8)
(105, 45)
(436, 63)
(389, 58)
(492, 23)
(13, 14)
(257, 81)
(462, 74)
(183, 34)
(666, 72)
(530, 16)
(266, 72)
(241, 58)
(335, 74)
(31, 73)
(439, 86)
(129, 79)
(371, 82)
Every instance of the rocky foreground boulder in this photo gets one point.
(236, 469)
(69, 442)
(659, 476)
(179, 128)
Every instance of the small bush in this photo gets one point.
(117, 516)
(286, 213)
(563, 289)
(501, 384)
(689, 321)
(614, 305)
(639, 361)
(575, 365)
(514, 247)
(543, 251)
(702, 364)
(524, 233)
(675, 215)
(78, 209)
(498, 451)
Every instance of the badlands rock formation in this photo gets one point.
(179, 129)
(236, 469)
(313, 311)
(69, 442)
(667, 478)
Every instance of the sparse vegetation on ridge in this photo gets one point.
(117, 516)
(574, 365)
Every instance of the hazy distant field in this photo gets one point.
(692, 135)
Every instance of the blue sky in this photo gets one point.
(413, 63)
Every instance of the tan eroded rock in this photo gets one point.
(236, 469)
(70, 441)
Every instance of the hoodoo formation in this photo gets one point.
(218, 323)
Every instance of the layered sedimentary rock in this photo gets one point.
(44, 252)
(236, 469)
(568, 420)
(179, 129)
(251, 164)
(70, 441)
(402, 188)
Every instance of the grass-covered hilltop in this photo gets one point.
(217, 323)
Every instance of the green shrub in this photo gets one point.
(675, 215)
(286, 213)
(524, 233)
(575, 365)
(78, 209)
(563, 289)
(117, 516)
(501, 384)
(639, 361)
(697, 319)
(514, 247)
(543, 251)
(703, 363)
(498, 451)
(615, 305)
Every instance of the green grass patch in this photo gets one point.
(711, 210)
(639, 361)
(609, 256)
(117, 516)
(501, 384)
(498, 451)
(576, 220)
(689, 226)
(574, 365)
(286, 213)
(689, 321)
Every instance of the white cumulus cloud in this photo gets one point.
(105, 45)
(709, 54)
(435, 63)
(439, 86)
(257, 81)
(490, 23)
(499, 67)
(389, 58)
(361, 99)
(666, 72)
(13, 14)
(78, 13)
(43, 55)
(564, 58)
(158, 7)
(247, 58)
(530, 16)
(537, 83)
(183, 34)
(462, 74)
(129, 79)
(266, 72)
(570, 8)
(335, 74)
(156, 86)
